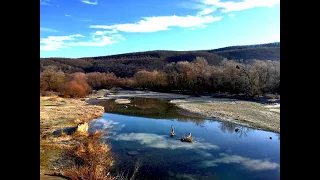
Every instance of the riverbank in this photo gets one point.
(60, 119)
(246, 113)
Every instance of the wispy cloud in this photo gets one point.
(161, 23)
(97, 33)
(206, 11)
(163, 142)
(204, 153)
(250, 164)
(90, 2)
(53, 43)
(231, 15)
(56, 42)
(183, 176)
(231, 6)
(43, 29)
(45, 2)
(102, 124)
(101, 41)
(67, 15)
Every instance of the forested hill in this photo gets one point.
(125, 65)
(270, 51)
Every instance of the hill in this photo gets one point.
(126, 65)
(270, 51)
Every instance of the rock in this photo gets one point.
(122, 101)
(186, 139)
(83, 127)
(107, 93)
(236, 130)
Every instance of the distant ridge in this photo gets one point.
(125, 65)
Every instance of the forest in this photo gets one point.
(127, 65)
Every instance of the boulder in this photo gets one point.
(83, 127)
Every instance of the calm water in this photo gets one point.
(139, 132)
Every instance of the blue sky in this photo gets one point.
(84, 28)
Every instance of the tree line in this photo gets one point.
(196, 77)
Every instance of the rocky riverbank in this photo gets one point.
(251, 114)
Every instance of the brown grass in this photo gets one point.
(93, 159)
(55, 115)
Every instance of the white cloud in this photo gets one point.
(48, 29)
(231, 15)
(52, 43)
(97, 33)
(163, 142)
(250, 164)
(103, 41)
(90, 2)
(67, 15)
(230, 6)
(77, 35)
(161, 23)
(206, 11)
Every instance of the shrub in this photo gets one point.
(93, 159)
(99, 80)
(75, 90)
(51, 80)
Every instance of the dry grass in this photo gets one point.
(55, 115)
(93, 159)
(125, 176)
(58, 113)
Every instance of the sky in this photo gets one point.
(86, 28)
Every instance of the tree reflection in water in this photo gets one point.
(235, 128)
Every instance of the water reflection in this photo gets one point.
(150, 108)
(235, 128)
(248, 163)
(217, 152)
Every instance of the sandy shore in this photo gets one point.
(247, 113)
